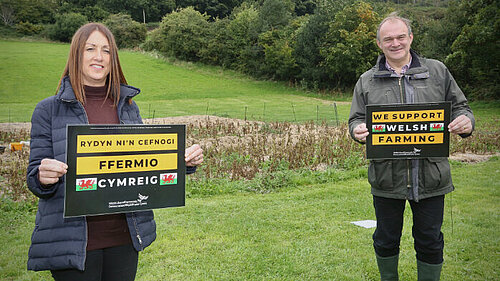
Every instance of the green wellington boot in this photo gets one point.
(388, 267)
(428, 272)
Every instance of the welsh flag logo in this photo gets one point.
(86, 184)
(437, 127)
(169, 178)
(378, 128)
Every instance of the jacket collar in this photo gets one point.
(416, 71)
(67, 94)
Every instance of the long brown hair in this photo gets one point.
(73, 67)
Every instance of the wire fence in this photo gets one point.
(331, 113)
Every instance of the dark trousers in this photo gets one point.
(426, 230)
(110, 264)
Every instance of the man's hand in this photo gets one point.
(361, 132)
(50, 170)
(461, 125)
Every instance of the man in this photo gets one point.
(401, 76)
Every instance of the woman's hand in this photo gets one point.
(194, 155)
(50, 170)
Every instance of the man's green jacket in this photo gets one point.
(426, 80)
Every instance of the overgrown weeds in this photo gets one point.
(13, 172)
(254, 156)
(240, 150)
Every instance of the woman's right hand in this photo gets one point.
(51, 170)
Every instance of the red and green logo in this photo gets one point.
(437, 127)
(169, 178)
(86, 184)
(378, 128)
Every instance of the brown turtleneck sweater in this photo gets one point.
(105, 230)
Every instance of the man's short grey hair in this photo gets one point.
(394, 16)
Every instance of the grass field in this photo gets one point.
(295, 234)
(168, 89)
(30, 71)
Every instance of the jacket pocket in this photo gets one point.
(436, 172)
(380, 174)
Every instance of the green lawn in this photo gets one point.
(296, 234)
(30, 71)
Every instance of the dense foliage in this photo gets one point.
(477, 42)
(314, 44)
(65, 26)
(128, 33)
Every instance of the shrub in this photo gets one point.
(95, 13)
(280, 62)
(154, 41)
(273, 176)
(27, 28)
(216, 51)
(66, 25)
(243, 31)
(183, 34)
(128, 33)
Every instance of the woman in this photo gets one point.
(92, 90)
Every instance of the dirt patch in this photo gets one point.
(472, 158)
(186, 120)
(199, 120)
(11, 127)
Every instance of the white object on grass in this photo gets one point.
(366, 223)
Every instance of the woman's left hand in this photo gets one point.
(194, 155)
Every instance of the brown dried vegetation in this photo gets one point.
(13, 166)
(237, 150)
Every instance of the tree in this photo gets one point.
(310, 37)
(243, 31)
(471, 59)
(349, 47)
(7, 12)
(215, 9)
(32, 11)
(135, 8)
(66, 25)
(279, 61)
(217, 51)
(94, 13)
(127, 32)
(275, 14)
(304, 7)
(183, 34)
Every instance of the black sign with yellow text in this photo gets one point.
(124, 168)
(408, 131)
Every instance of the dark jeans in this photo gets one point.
(110, 264)
(426, 230)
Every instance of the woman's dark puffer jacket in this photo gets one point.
(58, 242)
